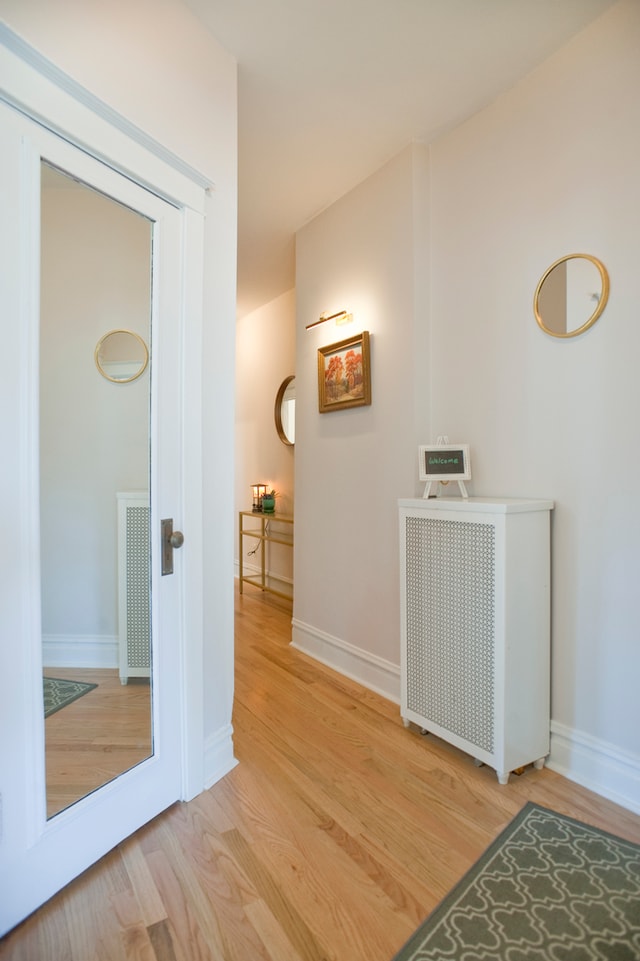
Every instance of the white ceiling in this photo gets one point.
(329, 90)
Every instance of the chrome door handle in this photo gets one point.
(170, 540)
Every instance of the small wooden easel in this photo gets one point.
(443, 441)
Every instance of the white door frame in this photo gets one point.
(44, 94)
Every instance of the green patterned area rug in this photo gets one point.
(548, 889)
(58, 693)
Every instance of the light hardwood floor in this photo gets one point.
(97, 737)
(333, 838)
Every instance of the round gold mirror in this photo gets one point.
(285, 411)
(121, 356)
(571, 295)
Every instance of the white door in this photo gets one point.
(40, 854)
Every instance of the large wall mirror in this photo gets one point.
(285, 411)
(571, 295)
(94, 463)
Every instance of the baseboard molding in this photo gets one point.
(95, 651)
(89, 650)
(219, 758)
(246, 569)
(368, 669)
(250, 570)
(597, 765)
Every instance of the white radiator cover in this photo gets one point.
(475, 614)
(134, 587)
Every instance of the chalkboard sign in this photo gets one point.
(444, 462)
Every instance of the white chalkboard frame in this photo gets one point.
(459, 472)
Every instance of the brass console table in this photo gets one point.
(269, 529)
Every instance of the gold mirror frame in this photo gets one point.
(602, 303)
(277, 410)
(143, 363)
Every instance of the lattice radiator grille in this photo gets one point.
(450, 588)
(137, 581)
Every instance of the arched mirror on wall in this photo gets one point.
(285, 411)
(571, 295)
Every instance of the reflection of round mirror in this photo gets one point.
(121, 356)
(285, 411)
(571, 295)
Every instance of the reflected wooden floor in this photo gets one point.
(332, 839)
(97, 737)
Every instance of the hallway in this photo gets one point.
(336, 834)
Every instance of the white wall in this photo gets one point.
(367, 254)
(94, 435)
(155, 64)
(550, 168)
(265, 356)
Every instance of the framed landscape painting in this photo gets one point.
(344, 374)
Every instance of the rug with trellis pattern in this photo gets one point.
(549, 888)
(59, 692)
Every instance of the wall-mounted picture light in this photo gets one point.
(341, 317)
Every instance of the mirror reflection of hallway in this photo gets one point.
(96, 737)
(94, 443)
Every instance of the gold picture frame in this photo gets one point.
(344, 374)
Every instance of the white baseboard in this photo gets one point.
(95, 651)
(250, 570)
(89, 650)
(368, 669)
(597, 765)
(218, 756)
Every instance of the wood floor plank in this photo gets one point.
(318, 874)
(45, 939)
(277, 944)
(377, 813)
(95, 932)
(222, 888)
(189, 942)
(292, 923)
(152, 909)
(133, 932)
(335, 835)
(367, 819)
(162, 941)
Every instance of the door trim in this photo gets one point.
(41, 91)
(13, 42)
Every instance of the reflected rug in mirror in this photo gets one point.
(59, 692)
(549, 888)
